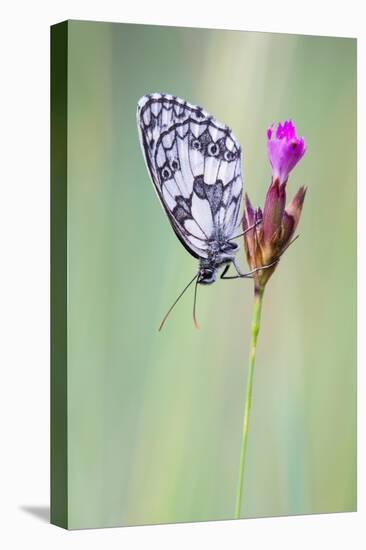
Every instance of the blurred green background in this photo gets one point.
(155, 419)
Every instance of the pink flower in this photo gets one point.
(268, 233)
(285, 149)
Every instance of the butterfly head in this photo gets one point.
(206, 275)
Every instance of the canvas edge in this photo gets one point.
(58, 314)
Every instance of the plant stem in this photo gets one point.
(256, 318)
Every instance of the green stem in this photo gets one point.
(257, 307)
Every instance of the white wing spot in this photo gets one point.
(201, 212)
(193, 228)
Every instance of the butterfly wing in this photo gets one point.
(195, 165)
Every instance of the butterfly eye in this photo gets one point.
(213, 149)
(166, 173)
(196, 144)
(228, 155)
(174, 165)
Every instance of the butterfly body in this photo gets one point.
(194, 162)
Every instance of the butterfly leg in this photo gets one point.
(222, 276)
(246, 231)
(241, 275)
(250, 273)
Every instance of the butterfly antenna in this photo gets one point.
(194, 306)
(175, 303)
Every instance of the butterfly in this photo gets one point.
(194, 162)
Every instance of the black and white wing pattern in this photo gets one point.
(195, 165)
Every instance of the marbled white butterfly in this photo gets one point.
(194, 162)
